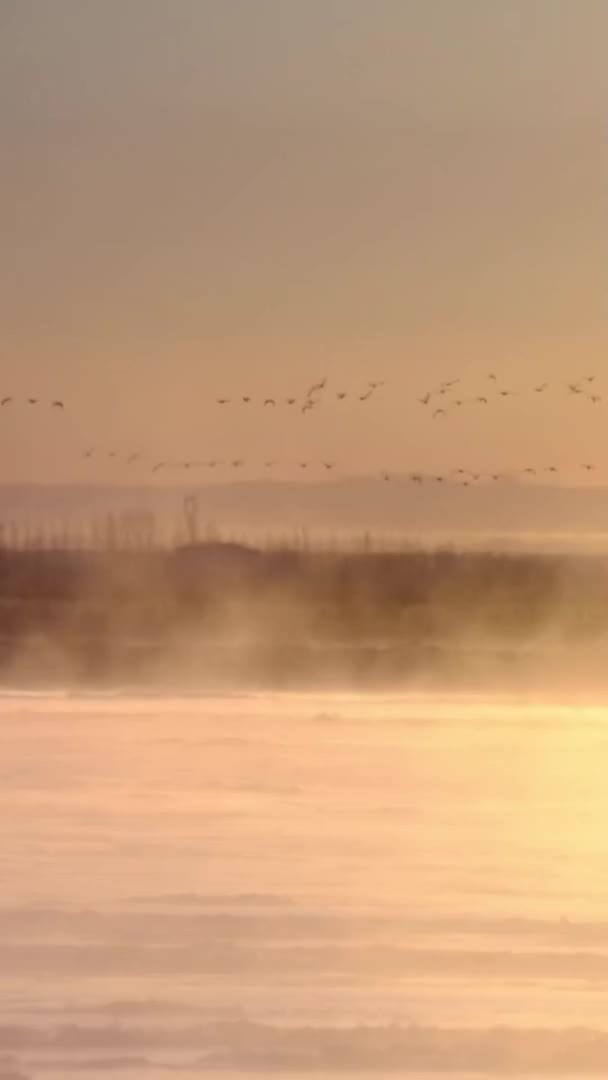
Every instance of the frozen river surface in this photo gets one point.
(295, 886)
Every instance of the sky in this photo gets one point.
(202, 199)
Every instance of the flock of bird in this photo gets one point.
(440, 399)
(450, 393)
(310, 400)
(211, 463)
(30, 401)
(468, 477)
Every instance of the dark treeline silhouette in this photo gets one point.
(291, 612)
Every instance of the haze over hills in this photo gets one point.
(536, 512)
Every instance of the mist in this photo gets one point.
(228, 615)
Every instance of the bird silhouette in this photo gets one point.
(589, 468)
(482, 400)
(6, 401)
(290, 400)
(58, 405)
(541, 389)
(316, 388)
(32, 401)
(425, 400)
(223, 401)
(328, 464)
(438, 412)
(269, 401)
(245, 400)
(341, 395)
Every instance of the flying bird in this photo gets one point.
(223, 401)
(438, 412)
(32, 401)
(246, 400)
(425, 400)
(6, 401)
(341, 395)
(540, 389)
(58, 405)
(316, 388)
(290, 400)
(269, 401)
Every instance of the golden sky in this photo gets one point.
(203, 198)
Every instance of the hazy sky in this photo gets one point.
(208, 197)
